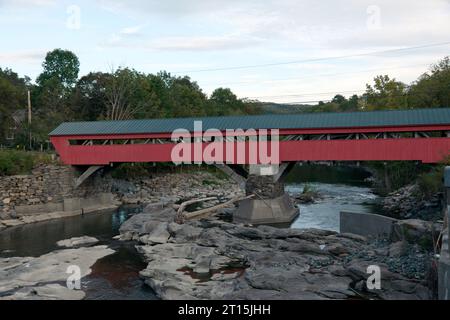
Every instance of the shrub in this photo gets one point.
(430, 183)
(16, 162)
(130, 170)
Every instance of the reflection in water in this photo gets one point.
(113, 277)
(117, 277)
(342, 189)
(40, 238)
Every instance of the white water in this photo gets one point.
(324, 214)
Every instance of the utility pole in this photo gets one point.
(29, 118)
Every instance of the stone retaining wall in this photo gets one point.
(46, 189)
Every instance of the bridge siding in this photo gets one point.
(427, 150)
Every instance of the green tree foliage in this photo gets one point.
(386, 93)
(53, 93)
(338, 104)
(88, 100)
(13, 97)
(432, 90)
(60, 67)
(225, 102)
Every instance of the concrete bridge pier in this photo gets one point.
(271, 204)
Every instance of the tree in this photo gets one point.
(119, 89)
(432, 90)
(339, 99)
(88, 99)
(51, 97)
(225, 102)
(386, 93)
(60, 66)
(13, 97)
(130, 94)
(186, 98)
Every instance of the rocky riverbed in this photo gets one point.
(44, 277)
(406, 204)
(214, 259)
(174, 187)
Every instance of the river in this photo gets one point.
(341, 189)
(114, 277)
(117, 276)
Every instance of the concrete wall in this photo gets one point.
(365, 224)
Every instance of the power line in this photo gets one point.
(405, 94)
(354, 91)
(314, 59)
(322, 75)
(308, 94)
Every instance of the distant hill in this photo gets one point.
(284, 108)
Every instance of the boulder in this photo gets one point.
(155, 233)
(415, 231)
(398, 249)
(143, 223)
(77, 242)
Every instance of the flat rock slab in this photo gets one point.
(12, 223)
(18, 274)
(45, 292)
(77, 242)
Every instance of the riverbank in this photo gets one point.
(102, 194)
(238, 261)
(214, 259)
(406, 203)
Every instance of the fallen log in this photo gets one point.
(193, 201)
(179, 218)
(208, 211)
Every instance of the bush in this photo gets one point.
(130, 170)
(396, 174)
(309, 190)
(430, 183)
(16, 162)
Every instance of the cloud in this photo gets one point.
(307, 23)
(167, 7)
(186, 43)
(31, 56)
(26, 3)
(226, 42)
(135, 30)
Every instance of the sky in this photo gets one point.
(287, 51)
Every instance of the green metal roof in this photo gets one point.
(412, 117)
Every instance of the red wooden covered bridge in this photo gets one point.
(416, 135)
(411, 135)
